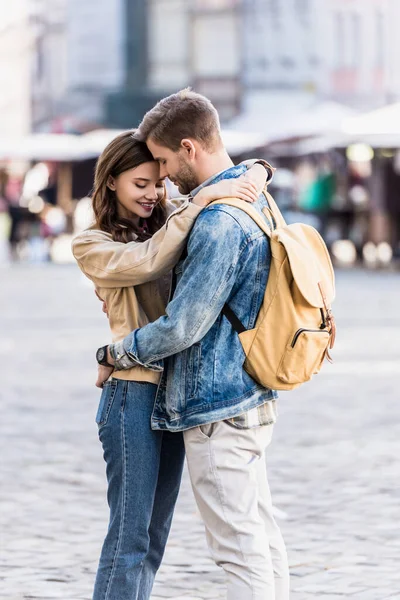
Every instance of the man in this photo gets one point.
(226, 417)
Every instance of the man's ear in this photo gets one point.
(111, 183)
(189, 148)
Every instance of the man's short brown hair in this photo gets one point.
(185, 114)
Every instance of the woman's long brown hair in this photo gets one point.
(122, 154)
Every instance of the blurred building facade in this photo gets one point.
(283, 74)
(362, 49)
(77, 61)
(105, 62)
(15, 47)
(49, 83)
(342, 49)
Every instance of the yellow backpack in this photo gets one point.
(295, 327)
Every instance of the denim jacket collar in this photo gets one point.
(231, 173)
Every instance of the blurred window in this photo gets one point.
(39, 59)
(215, 3)
(274, 11)
(339, 40)
(303, 12)
(357, 50)
(379, 24)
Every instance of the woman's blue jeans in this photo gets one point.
(144, 470)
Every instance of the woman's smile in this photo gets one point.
(147, 206)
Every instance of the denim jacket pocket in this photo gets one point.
(192, 370)
(106, 401)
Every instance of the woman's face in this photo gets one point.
(138, 190)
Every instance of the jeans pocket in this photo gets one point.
(106, 401)
(206, 430)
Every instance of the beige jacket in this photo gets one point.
(134, 278)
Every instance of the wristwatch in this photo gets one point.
(101, 357)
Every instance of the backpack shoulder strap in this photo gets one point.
(234, 320)
(279, 220)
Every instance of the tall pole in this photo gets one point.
(136, 33)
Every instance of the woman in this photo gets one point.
(128, 254)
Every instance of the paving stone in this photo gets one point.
(333, 464)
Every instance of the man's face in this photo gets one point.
(174, 165)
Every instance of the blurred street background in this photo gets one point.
(313, 86)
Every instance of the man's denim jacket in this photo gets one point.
(228, 260)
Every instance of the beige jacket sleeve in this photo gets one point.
(111, 264)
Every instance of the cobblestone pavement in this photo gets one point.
(333, 467)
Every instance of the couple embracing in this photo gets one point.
(173, 382)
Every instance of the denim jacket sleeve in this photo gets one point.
(208, 276)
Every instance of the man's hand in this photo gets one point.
(103, 373)
(104, 309)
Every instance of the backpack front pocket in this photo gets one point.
(303, 355)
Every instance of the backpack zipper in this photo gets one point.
(300, 331)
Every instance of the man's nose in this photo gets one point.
(163, 172)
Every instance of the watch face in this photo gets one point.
(100, 354)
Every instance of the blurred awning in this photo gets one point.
(267, 112)
(42, 146)
(381, 122)
(95, 141)
(323, 144)
(305, 147)
(280, 116)
(240, 142)
(294, 120)
(62, 147)
(236, 142)
(377, 129)
(319, 119)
